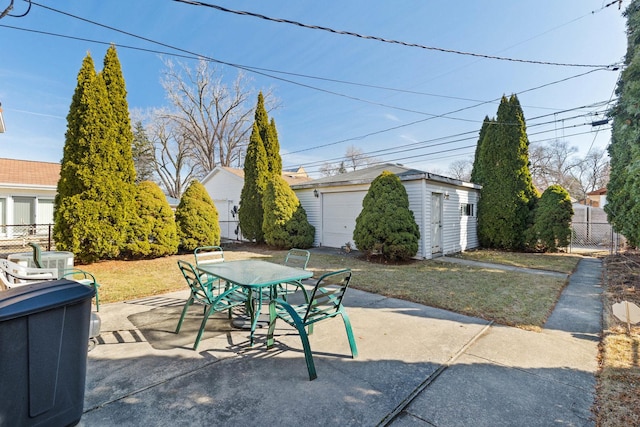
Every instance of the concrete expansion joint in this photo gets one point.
(388, 419)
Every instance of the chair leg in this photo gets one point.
(202, 326)
(347, 326)
(97, 299)
(184, 312)
(308, 356)
(272, 324)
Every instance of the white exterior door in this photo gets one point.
(339, 213)
(436, 223)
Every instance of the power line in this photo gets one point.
(384, 40)
(253, 70)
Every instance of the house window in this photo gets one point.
(466, 209)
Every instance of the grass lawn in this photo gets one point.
(515, 299)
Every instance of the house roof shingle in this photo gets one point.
(291, 177)
(27, 172)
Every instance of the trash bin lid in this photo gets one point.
(41, 296)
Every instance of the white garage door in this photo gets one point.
(339, 213)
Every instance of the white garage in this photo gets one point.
(444, 208)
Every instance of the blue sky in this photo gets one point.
(38, 72)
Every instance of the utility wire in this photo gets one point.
(250, 69)
(384, 40)
(430, 118)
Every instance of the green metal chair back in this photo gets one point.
(325, 302)
(211, 294)
(37, 255)
(298, 258)
(208, 255)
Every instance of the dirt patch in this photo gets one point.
(618, 390)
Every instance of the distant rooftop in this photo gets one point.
(28, 172)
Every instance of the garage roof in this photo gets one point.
(363, 176)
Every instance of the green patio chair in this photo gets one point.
(213, 294)
(83, 277)
(76, 274)
(208, 255)
(325, 302)
(298, 258)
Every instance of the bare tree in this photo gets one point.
(556, 163)
(461, 169)
(174, 164)
(354, 159)
(214, 119)
(592, 172)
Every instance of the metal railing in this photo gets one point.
(16, 238)
(595, 237)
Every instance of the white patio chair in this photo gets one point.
(13, 274)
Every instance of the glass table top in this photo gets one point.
(255, 273)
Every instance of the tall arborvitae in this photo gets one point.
(508, 197)
(269, 137)
(623, 189)
(89, 219)
(273, 151)
(476, 172)
(117, 93)
(256, 173)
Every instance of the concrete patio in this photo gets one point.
(417, 366)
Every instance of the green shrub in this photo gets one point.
(285, 222)
(154, 231)
(552, 224)
(197, 218)
(386, 225)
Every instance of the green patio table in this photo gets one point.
(255, 276)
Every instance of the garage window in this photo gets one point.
(466, 209)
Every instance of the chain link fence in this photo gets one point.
(16, 238)
(588, 237)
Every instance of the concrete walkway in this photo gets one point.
(417, 366)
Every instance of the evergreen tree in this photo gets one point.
(269, 137)
(90, 218)
(143, 154)
(154, 227)
(508, 197)
(273, 150)
(623, 189)
(386, 225)
(476, 172)
(117, 93)
(256, 177)
(285, 222)
(197, 218)
(552, 226)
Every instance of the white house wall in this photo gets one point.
(42, 205)
(225, 188)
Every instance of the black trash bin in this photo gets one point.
(44, 333)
